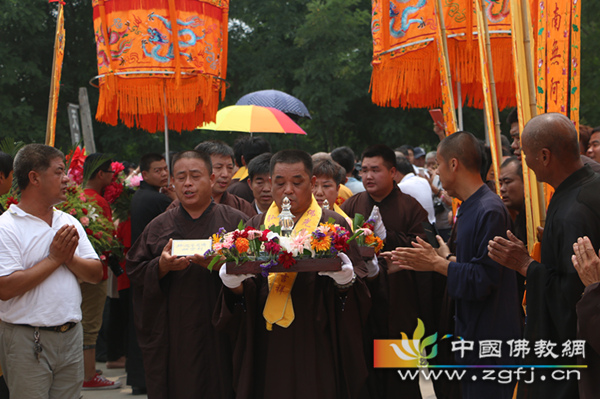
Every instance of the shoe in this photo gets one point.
(116, 364)
(100, 382)
(139, 391)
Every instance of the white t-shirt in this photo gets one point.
(24, 241)
(419, 189)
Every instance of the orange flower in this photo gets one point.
(370, 239)
(379, 245)
(242, 245)
(321, 244)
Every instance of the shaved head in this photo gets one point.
(555, 132)
(465, 147)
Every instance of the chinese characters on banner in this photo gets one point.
(558, 56)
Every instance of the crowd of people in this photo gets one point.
(454, 261)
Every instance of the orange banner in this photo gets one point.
(405, 68)
(145, 72)
(558, 14)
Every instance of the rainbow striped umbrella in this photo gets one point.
(253, 119)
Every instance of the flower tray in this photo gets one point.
(302, 265)
(366, 252)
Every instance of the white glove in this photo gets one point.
(343, 276)
(232, 281)
(373, 267)
(379, 227)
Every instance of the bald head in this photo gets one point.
(465, 147)
(555, 132)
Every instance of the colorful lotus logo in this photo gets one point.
(405, 352)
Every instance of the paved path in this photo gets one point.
(125, 391)
(114, 375)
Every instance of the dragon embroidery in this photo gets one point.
(156, 41)
(404, 21)
(114, 38)
(496, 16)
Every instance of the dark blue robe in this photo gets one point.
(485, 293)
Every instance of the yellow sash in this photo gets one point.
(241, 173)
(278, 308)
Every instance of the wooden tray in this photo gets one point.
(366, 252)
(302, 265)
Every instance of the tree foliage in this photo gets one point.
(317, 50)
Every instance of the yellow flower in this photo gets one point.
(321, 244)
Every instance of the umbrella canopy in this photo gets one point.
(275, 99)
(253, 119)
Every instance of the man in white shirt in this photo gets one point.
(43, 252)
(415, 186)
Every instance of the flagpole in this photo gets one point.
(527, 109)
(55, 79)
(489, 91)
(445, 70)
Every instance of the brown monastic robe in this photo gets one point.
(184, 356)
(319, 355)
(400, 298)
(230, 200)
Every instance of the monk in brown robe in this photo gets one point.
(316, 352)
(221, 156)
(184, 357)
(399, 299)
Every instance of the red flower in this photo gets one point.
(263, 237)
(117, 167)
(369, 226)
(89, 232)
(272, 247)
(85, 211)
(286, 260)
(112, 192)
(11, 200)
(98, 235)
(340, 243)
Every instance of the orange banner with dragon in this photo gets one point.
(405, 59)
(144, 72)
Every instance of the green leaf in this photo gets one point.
(358, 221)
(540, 90)
(540, 31)
(575, 28)
(331, 220)
(213, 262)
(573, 90)
(241, 225)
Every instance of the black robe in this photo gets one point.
(588, 325)
(400, 298)
(553, 286)
(319, 355)
(146, 204)
(184, 357)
